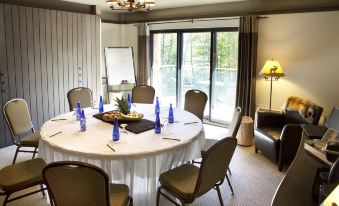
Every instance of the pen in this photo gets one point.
(55, 134)
(171, 139)
(108, 145)
(190, 123)
(57, 119)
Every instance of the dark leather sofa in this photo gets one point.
(278, 135)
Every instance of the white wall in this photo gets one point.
(118, 35)
(307, 47)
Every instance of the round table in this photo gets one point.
(138, 159)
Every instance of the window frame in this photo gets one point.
(179, 61)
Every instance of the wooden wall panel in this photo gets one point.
(43, 64)
(43, 54)
(37, 66)
(94, 58)
(70, 52)
(9, 51)
(55, 72)
(31, 65)
(65, 60)
(60, 68)
(17, 52)
(89, 52)
(98, 52)
(49, 63)
(84, 50)
(3, 72)
(10, 84)
(24, 55)
(79, 66)
(75, 50)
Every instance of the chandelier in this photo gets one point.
(131, 5)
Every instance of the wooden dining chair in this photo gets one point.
(187, 182)
(195, 102)
(143, 94)
(20, 176)
(82, 94)
(19, 122)
(232, 132)
(72, 183)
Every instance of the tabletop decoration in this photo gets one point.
(101, 105)
(129, 101)
(157, 125)
(82, 121)
(116, 133)
(123, 105)
(157, 105)
(123, 114)
(78, 111)
(170, 115)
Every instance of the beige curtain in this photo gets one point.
(247, 63)
(143, 57)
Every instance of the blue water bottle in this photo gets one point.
(78, 111)
(170, 115)
(116, 133)
(157, 106)
(101, 105)
(129, 101)
(157, 125)
(82, 121)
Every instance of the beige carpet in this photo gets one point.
(254, 178)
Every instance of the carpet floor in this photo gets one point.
(254, 178)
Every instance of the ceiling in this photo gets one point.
(160, 4)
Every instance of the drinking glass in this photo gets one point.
(123, 126)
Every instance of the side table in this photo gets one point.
(245, 133)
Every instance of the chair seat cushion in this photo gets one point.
(208, 144)
(118, 194)
(274, 132)
(181, 180)
(31, 140)
(21, 175)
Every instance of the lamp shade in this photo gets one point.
(272, 68)
(111, 2)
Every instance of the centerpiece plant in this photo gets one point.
(122, 105)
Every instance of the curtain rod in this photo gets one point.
(191, 20)
(196, 20)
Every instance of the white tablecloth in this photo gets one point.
(139, 159)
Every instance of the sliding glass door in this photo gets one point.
(224, 79)
(164, 67)
(203, 59)
(195, 69)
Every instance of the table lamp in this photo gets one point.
(272, 71)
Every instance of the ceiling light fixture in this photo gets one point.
(131, 5)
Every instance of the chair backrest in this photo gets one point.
(235, 123)
(17, 116)
(333, 119)
(70, 182)
(143, 94)
(333, 176)
(214, 165)
(318, 110)
(195, 102)
(82, 94)
(297, 185)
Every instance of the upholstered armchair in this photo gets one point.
(278, 134)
